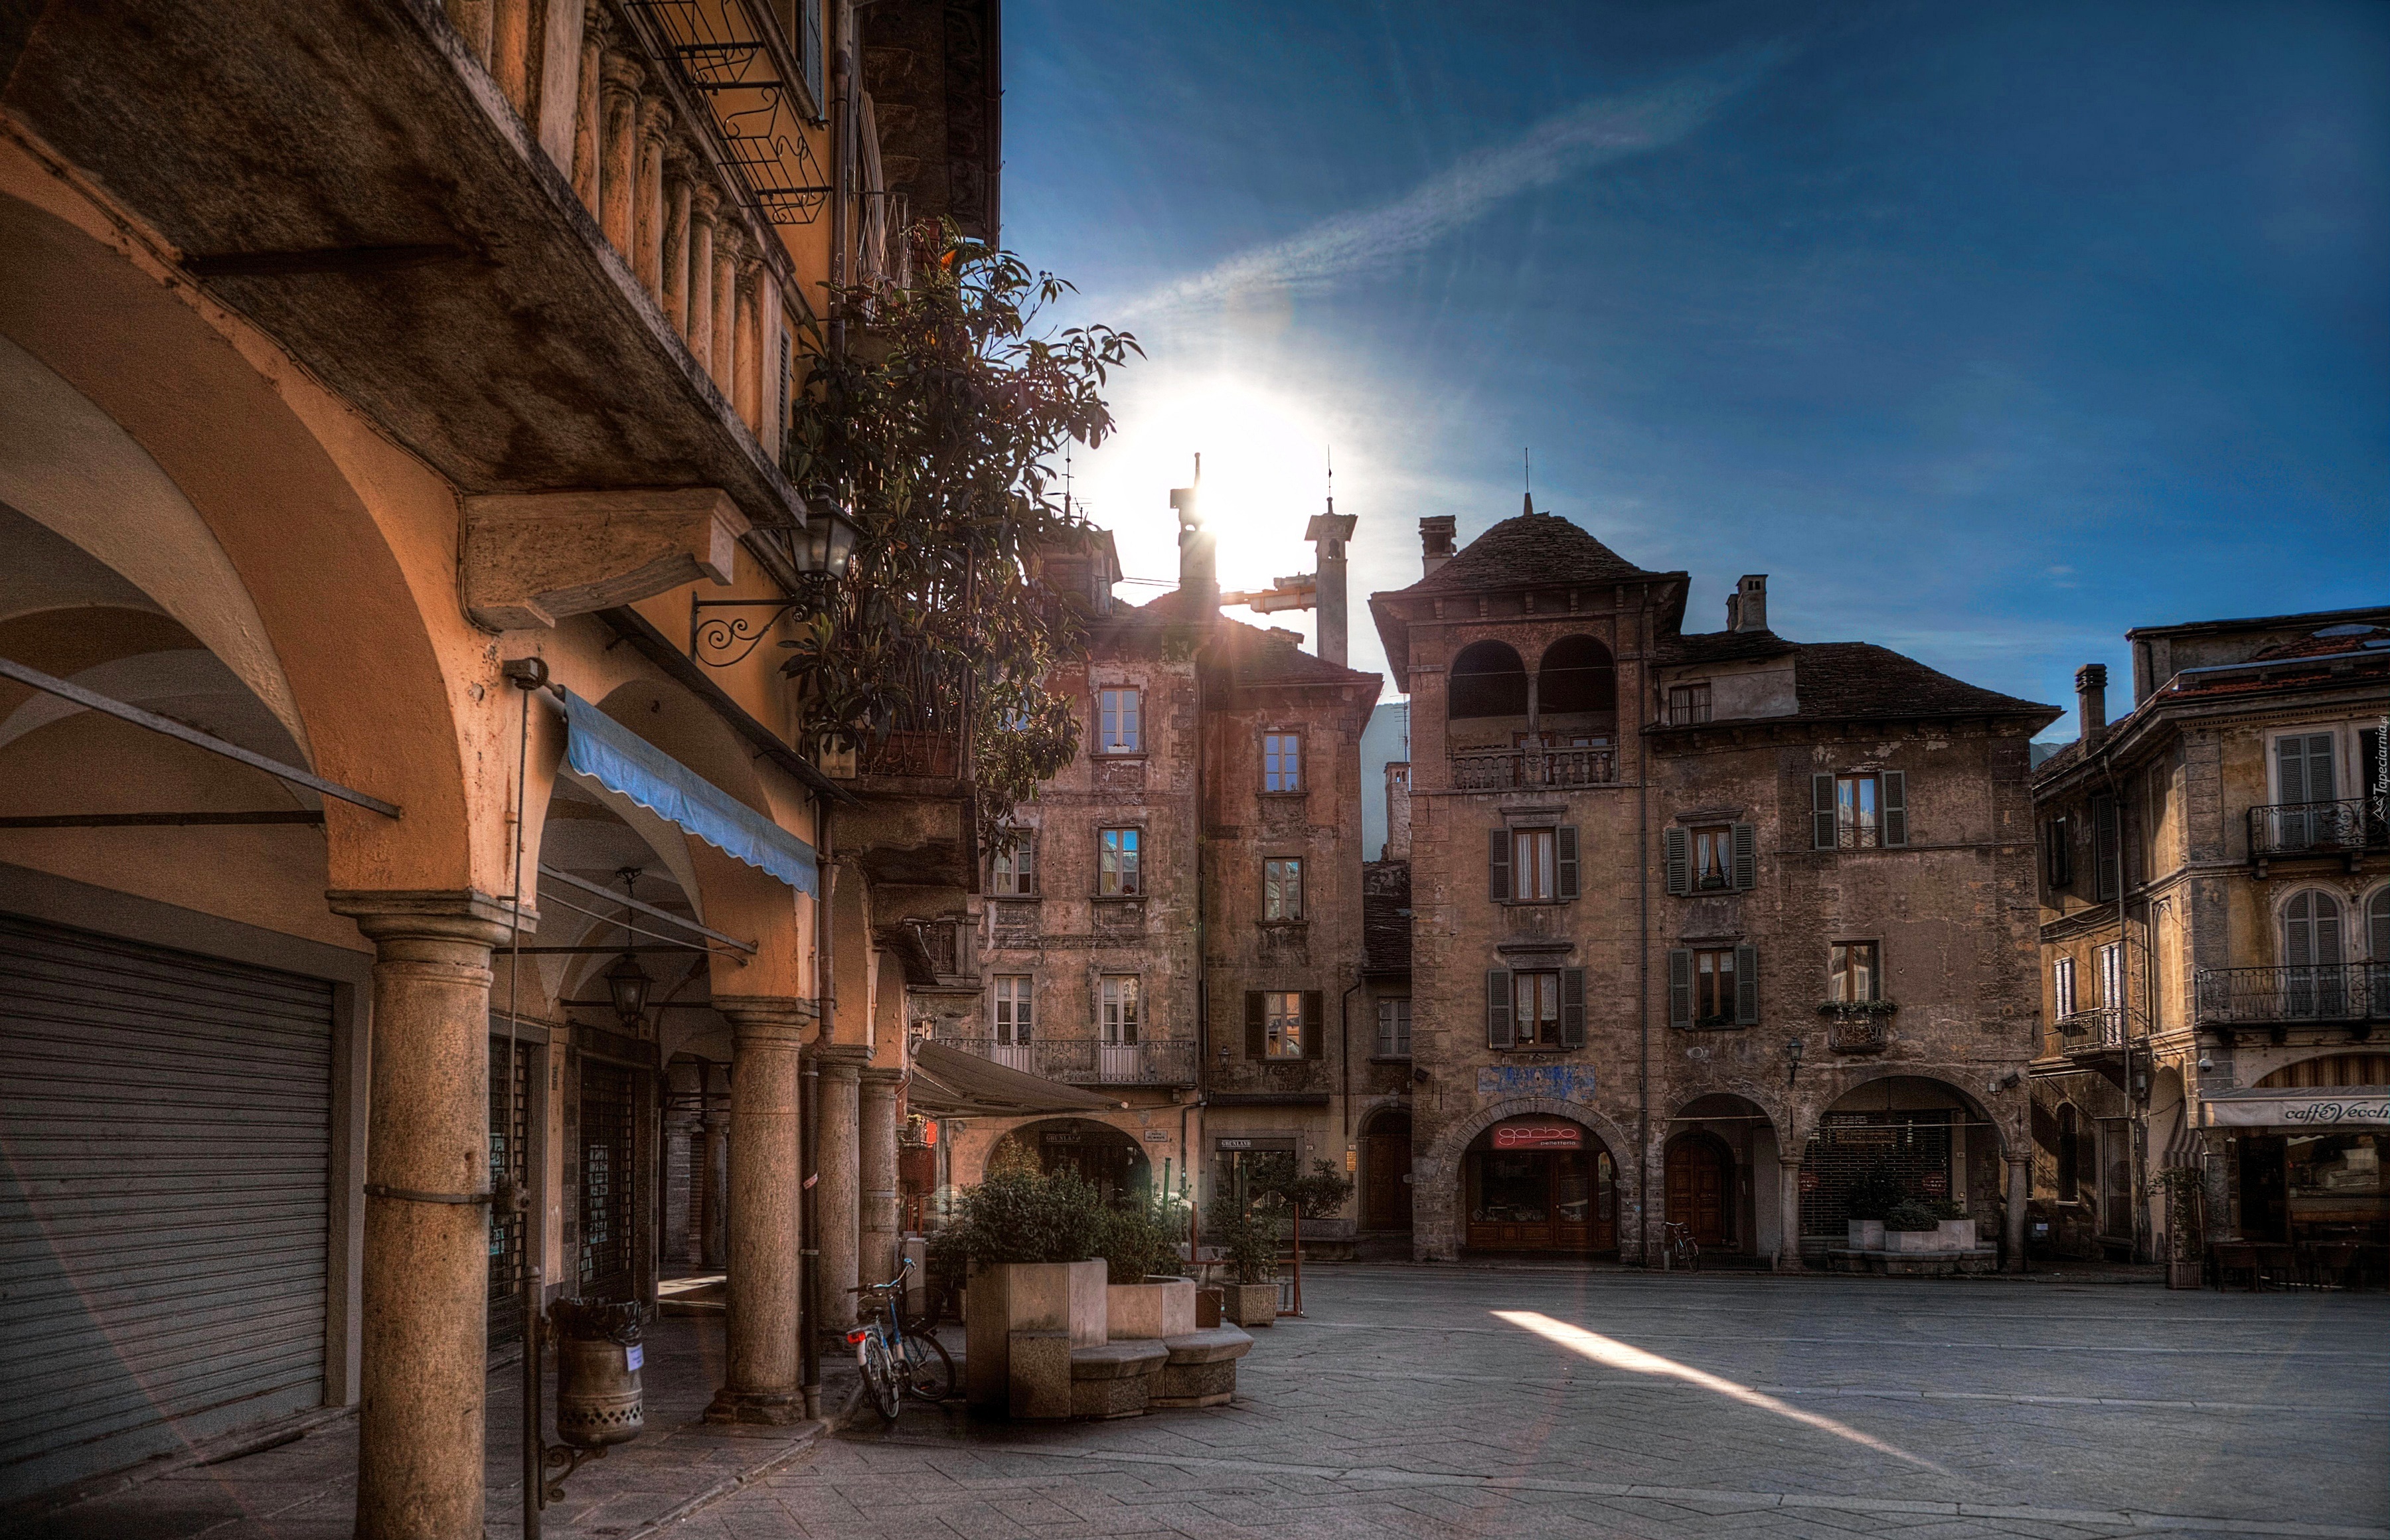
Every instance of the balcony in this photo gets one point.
(2287, 830)
(1532, 769)
(924, 755)
(1865, 1027)
(2352, 994)
(2098, 1030)
(1078, 1061)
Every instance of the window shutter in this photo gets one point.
(2291, 753)
(1746, 985)
(1026, 865)
(1680, 986)
(1497, 864)
(2104, 854)
(1821, 812)
(1257, 1026)
(1314, 1024)
(1746, 857)
(1498, 1030)
(1677, 845)
(1572, 1007)
(1564, 842)
(1895, 807)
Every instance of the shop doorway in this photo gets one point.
(609, 1165)
(1386, 1171)
(1701, 1187)
(1540, 1184)
(1105, 1158)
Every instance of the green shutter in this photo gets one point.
(1564, 842)
(1257, 1026)
(1500, 1033)
(1314, 1024)
(1746, 857)
(1895, 807)
(1497, 864)
(1676, 846)
(1572, 1007)
(1746, 985)
(1821, 812)
(1680, 986)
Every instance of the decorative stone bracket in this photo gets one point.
(530, 559)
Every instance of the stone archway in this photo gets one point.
(1438, 1225)
(1920, 1134)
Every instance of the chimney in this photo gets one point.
(2091, 702)
(1328, 534)
(1746, 607)
(1199, 570)
(1398, 812)
(1435, 543)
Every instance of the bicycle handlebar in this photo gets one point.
(902, 1274)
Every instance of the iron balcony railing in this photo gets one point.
(2273, 996)
(1513, 769)
(2315, 828)
(1081, 1061)
(2093, 1030)
(933, 755)
(1857, 1033)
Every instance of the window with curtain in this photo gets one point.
(1117, 852)
(1714, 986)
(1536, 1008)
(1013, 871)
(1119, 1007)
(1013, 1010)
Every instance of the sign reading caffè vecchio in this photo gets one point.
(1538, 1135)
(2360, 1111)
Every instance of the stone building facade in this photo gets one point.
(2215, 940)
(1703, 924)
(1179, 926)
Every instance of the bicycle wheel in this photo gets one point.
(1693, 1256)
(879, 1378)
(929, 1367)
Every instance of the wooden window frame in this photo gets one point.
(1276, 748)
(1120, 1009)
(1021, 996)
(1688, 705)
(1837, 820)
(1283, 1025)
(1120, 862)
(1282, 889)
(1119, 706)
(1847, 959)
(1012, 873)
(1395, 1027)
(2061, 988)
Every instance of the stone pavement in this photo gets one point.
(1632, 1405)
(306, 1489)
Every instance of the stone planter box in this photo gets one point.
(1951, 1235)
(1866, 1234)
(1249, 1303)
(2185, 1274)
(1063, 1298)
(1141, 1311)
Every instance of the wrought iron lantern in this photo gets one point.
(827, 544)
(627, 983)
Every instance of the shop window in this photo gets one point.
(1117, 853)
(1281, 762)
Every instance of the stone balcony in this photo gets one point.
(1079, 1062)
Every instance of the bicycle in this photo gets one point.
(1677, 1248)
(896, 1362)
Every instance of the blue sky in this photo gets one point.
(1986, 332)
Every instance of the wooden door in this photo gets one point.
(1386, 1170)
(1697, 1188)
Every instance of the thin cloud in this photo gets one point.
(1605, 129)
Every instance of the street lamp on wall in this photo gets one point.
(821, 552)
(626, 983)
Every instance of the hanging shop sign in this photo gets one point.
(2362, 1110)
(1538, 1135)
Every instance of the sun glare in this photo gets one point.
(1265, 474)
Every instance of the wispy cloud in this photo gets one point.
(1604, 129)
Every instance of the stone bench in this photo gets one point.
(1201, 1367)
(1116, 1379)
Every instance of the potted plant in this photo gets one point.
(1248, 1242)
(1146, 1296)
(1912, 1224)
(1032, 1246)
(1873, 1195)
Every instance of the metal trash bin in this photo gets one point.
(598, 1355)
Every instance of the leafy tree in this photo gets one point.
(937, 426)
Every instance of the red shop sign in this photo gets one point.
(1538, 1135)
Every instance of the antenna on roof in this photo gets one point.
(1066, 480)
(1332, 478)
(1527, 475)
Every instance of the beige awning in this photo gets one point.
(948, 1083)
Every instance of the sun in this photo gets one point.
(1265, 474)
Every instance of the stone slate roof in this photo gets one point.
(1530, 549)
(1385, 916)
(1721, 646)
(1852, 681)
(1252, 655)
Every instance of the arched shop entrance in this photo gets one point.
(1109, 1159)
(1702, 1189)
(1921, 1136)
(1539, 1183)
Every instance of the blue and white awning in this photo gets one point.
(620, 760)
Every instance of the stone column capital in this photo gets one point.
(884, 1079)
(703, 197)
(619, 73)
(766, 1020)
(655, 117)
(467, 916)
(1790, 1162)
(842, 1061)
(2018, 1160)
(729, 242)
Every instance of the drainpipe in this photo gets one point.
(1344, 1047)
(2136, 1119)
(1643, 943)
(842, 23)
(809, 1313)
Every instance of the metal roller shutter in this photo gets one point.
(166, 1125)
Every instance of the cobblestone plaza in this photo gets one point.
(1567, 1404)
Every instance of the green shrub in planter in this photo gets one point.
(1911, 1214)
(1875, 1192)
(1141, 1239)
(1023, 1216)
(1248, 1240)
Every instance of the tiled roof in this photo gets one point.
(1531, 549)
(1385, 916)
(1252, 655)
(2329, 642)
(1848, 681)
(1721, 646)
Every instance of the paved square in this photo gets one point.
(1524, 1404)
